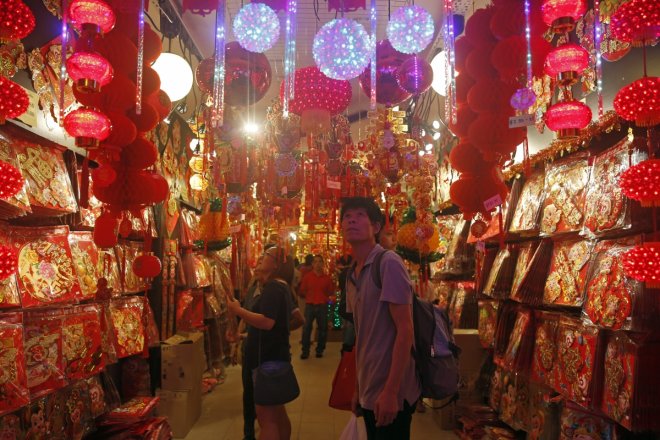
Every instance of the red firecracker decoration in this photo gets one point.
(640, 102)
(11, 180)
(95, 15)
(8, 262)
(14, 100)
(568, 118)
(16, 20)
(88, 126)
(641, 182)
(89, 70)
(642, 263)
(561, 15)
(636, 22)
(566, 62)
(147, 266)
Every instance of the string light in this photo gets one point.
(289, 56)
(410, 29)
(450, 62)
(342, 49)
(598, 35)
(140, 60)
(219, 67)
(528, 38)
(373, 14)
(256, 27)
(63, 76)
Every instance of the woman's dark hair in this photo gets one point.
(285, 266)
(309, 259)
(368, 204)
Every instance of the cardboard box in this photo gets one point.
(182, 409)
(473, 357)
(182, 362)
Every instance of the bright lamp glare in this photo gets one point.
(176, 76)
(293, 236)
(428, 147)
(439, 66)
(436, 124)
(421, 152)
(251, 128)
(436, 136)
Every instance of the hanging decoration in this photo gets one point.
(11, 180)
(8, 262)
(642, 263)
(88, 126)
(636, 22)
(289, 55)
(415, 75)
(567, 118)
(639, 102)
(92, 16)
(410, 29)
(598, 37)
(641, 182)
(256, 27)
(388, 61)
(16, 20)
(566, 63)
(342, 49)
(139, 76)
(14, 100)
(561, 15)
(217, 114)
(89, 70)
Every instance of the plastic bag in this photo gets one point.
(354, 430)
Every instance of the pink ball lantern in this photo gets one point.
(568, 118)
(415, 76)
(388, 61)
(566, 63)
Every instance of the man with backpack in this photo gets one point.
(387, 385)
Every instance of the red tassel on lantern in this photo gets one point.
(568, 118)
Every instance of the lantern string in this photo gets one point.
(373, 15)
(528, 38)
(217, 116)
(599, 62)
(289, 56)
(63, 73)
(450, 62)
(140, 60)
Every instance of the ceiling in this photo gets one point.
(202, 31)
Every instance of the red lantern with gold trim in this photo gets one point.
(561, 15)
(90, 71)
(91, 15)
(566, 62)
(88, 126)
(568, 118)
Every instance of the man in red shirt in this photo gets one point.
(316, 288)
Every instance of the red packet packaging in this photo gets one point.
(518, 351)
(526, 216)
(565, 190)
(545, 348)
(128, 326)
(97, 404)
(43, 352)
(14, 392)
(45, 266)
(127, 252)
(86, 262)
(488, 313)
(577, 351)
(11, 427)
(48, 184)
(82, 342)
(522, 267)
(579, 423)
(568, 273)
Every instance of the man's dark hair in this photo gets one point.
(309, 259)
(319, 256)
(368, 204)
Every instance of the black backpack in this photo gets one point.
(437, 363)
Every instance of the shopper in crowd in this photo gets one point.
(307, 265)
(348, 339)
(316, 288)
(386, 236)
(268, 327)
(387, 385)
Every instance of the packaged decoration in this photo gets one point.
(496, 389)
(522, 268)
(459, 257)
(86, 217)
(127, 252)
(48, 185)
(18, 204)
(544, 355)
(86, 262)
(443, 291)
(527, 213)
(108, 269)
(128, 327)
(487, 322)
(543, 413)
(463, 310)
(577, 345)
(82, 344)
(78, 417)
(607, 209)
(577, 423)
(190, 310)
(509, 402)
(613, 300)
(568, 273)
(446, 226)
(46, 274)
(14, 391)
(36, 419)
(96, 396)
(518, 351)
(9, 295)
(134, 410)
(11, 427)
(565, 193)
(498, 283)
(43, 352)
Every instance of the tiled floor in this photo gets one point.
(311, 417)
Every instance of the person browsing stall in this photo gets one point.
(316, 288)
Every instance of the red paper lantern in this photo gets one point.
(8, 262)
(147, 119)
(641, 182)
(462, 48)
(95, 15)
(464, 158)
(89, 70)
(105, 231)
(16, 20)
(477, 27)
(640, 102)
(636, 22)
(566, 62)
(140, 154)
(88, 126)
(158, 188)
(464, 117)
(118, 95)
(478, 64)
(561, 15)
(510, 57)
(14, 100)
(464, 83)
(103, 175)
(147, 266)
(162, 103)
(508, 20)
(489, 95)
(120, 51)
(642, 263)
(315, 91)
(123, 131)
(470, 192)
(490, 134)
(568, 118)
(11, 180)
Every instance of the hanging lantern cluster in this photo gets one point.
(639, 102)
(16, 22)
(641, 182)
(642, 263)
(565, 63)
(11, 180)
